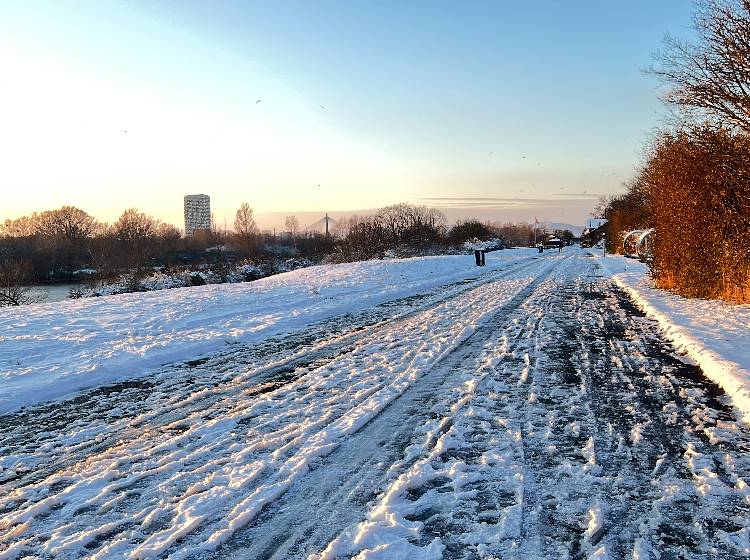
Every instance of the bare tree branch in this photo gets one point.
(712, 76)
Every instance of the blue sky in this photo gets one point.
(509, 109)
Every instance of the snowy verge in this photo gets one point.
(237, 272)
(715, 334)
(52, 350)
(205, 463)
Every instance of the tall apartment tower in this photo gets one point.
(197, 213)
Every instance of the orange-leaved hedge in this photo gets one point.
(698, 194)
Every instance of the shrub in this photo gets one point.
(469, 229)
(197, 280)
(697, 185)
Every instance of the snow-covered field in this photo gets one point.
(528, 410)
(52, 350)
(715, 334)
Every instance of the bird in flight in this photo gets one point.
(259, 100)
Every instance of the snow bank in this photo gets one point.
(715, 334)
(238, 272)
(52, 350)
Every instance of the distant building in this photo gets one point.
(593, 223)
(594, 232)
(197, 213)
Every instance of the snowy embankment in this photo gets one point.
(239, 272)
(53, 350)
(222, 453)
(715, 334)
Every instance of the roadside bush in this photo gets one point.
(468, 230)
(519, 234)
(13, 275)
(697, 185)
(624, 212)
(401, 227)
(197, 280)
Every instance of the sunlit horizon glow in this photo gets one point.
(499, 111)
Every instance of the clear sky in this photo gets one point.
(505, 108)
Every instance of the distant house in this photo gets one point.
(593, 223)
(593, 235)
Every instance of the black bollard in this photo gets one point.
(478, 257)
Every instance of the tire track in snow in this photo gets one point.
(48, 437)
(336, 493)
(585, 439)
(167, 483)
(464, 485)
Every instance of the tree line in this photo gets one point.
(406, 229)
(693, 187)
(65, 243)
(68, 243)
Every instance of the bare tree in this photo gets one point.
(712, 76)
(245, 228)
(168, 239)
(64, 235)
(292, 225)
(516, 235)
(168, 232)
(135, 232)
(364, 238)
(14, 275)
(244, 223)
(465, 230)
(69, 222)
(135, 226)
(406, 223)
(25, 226)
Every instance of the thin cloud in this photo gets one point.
(587, 196)
(499, 202)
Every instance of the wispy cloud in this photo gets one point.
(503, 202)
(583, 195)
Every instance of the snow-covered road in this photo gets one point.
(532, 412)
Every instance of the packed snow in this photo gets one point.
(53, 350)
(527, 410)
(197, 468)
(715, 334)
